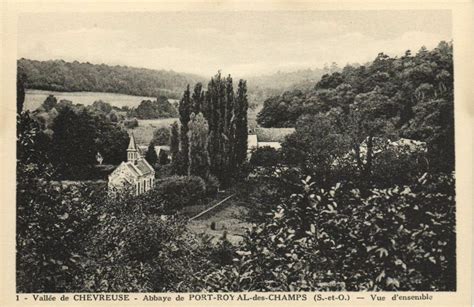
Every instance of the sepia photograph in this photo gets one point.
(235, 151)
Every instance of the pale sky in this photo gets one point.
(240, 43)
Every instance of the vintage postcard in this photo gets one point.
(237, 153)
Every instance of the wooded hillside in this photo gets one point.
(411, 95)
(62, 76)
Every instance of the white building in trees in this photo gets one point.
(136, 174)
(266, 137)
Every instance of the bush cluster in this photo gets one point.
(130, 123)
(182, 191)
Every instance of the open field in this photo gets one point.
(34, 98)
(144, 132)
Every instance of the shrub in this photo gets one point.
(113, 117)
(130, 123)
(265, 156)
(161, 136)
(50, 102)
(182, 191)
(224, 252)
(163, 158)
(164, 171)
(212, 185)
(398, 166)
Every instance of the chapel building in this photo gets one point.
(135, 174)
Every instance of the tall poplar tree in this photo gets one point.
(198, 130)
(241, 128)
(151, 155)
(174, 141)
(214, 98)
(226, 115)
(184, 115)
(197, 98)
(228, 129)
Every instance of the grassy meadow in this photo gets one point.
(144, 132)
(34, 98)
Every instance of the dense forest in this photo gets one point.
(64, 76)
(409, 96)
(406, 80)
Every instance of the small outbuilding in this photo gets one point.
(266, 137)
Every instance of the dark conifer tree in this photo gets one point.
(241, 129)
(229, 102)
(228, 131)
(163, 158)
(220, 100)
(184, 115)
(174, 146)
(151, 155)
(198, 152)
(213, 109)
(174, 140)
(197, 98)
(226, 116)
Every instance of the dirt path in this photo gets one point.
(212, 208)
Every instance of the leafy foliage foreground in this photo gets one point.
(399, 238)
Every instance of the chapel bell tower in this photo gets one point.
(132, 150)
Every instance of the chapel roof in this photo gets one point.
(132, 145)
(143, 167)
(132, 169)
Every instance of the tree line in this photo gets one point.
(153, 109)
(64, 76)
